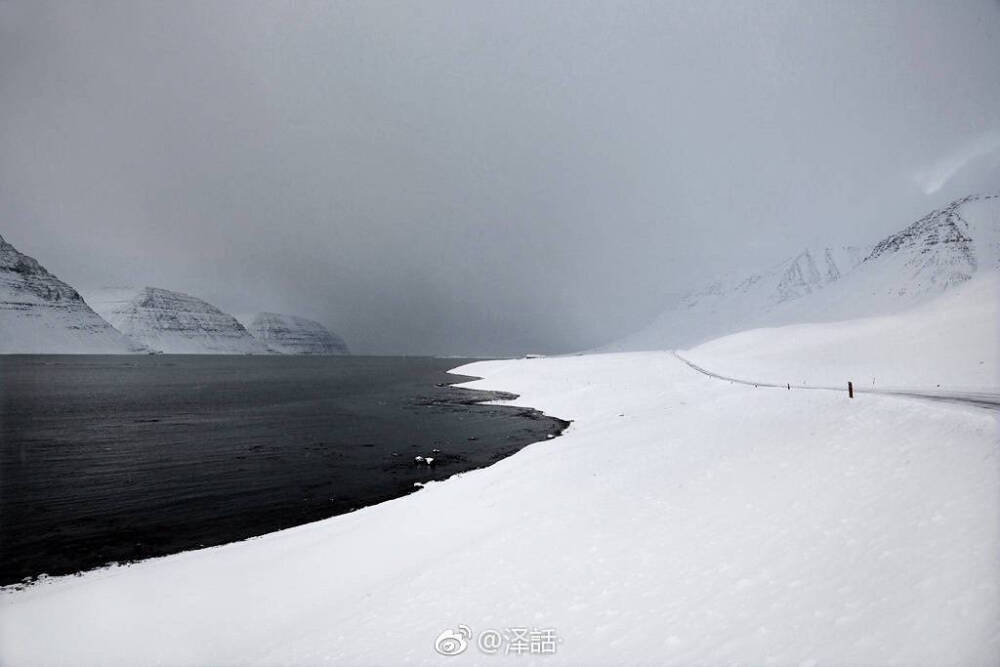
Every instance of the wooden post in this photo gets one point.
(850, 389)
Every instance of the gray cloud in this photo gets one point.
(473, 177)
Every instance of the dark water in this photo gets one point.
(118, 458)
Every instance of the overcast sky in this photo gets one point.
(479, 178)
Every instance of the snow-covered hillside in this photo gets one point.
(173, 322)
(41, 314)
(951, 342)
(941, 250)
(680, 520)
(732, 304)
(290, 334)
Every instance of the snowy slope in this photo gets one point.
(290, 334)
(680, 520)
(942, 250)
(173, 322)
(736, 303)
(41, 314)
(951, 342)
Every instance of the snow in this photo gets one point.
(942, 250)
(951, 343)
(739, 301)
(41, 314)
(173, 322)
(58, 331)
(680, 519)
(291, 334)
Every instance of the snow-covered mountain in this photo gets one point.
(732, 304)
(943, 249)
(41, 314)
(173, 322)
(290, 334)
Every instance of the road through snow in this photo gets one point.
(983, 399)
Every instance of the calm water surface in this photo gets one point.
(116, 458)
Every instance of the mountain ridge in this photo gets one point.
(39, 313)
(292, 334)
(174, 322)
(942, 249)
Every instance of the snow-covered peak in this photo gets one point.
(16, 262)
(290, 334)
(810, 271)
(948, 245)
(41, 314)
(943, 249)
(174, 322)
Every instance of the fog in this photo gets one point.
(478, 178)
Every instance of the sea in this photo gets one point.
(113, 459)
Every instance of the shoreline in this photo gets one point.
(683, 518)
(494, 432)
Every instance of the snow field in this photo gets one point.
(679, 520)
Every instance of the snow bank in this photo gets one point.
(679, 520)
(952, 342)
